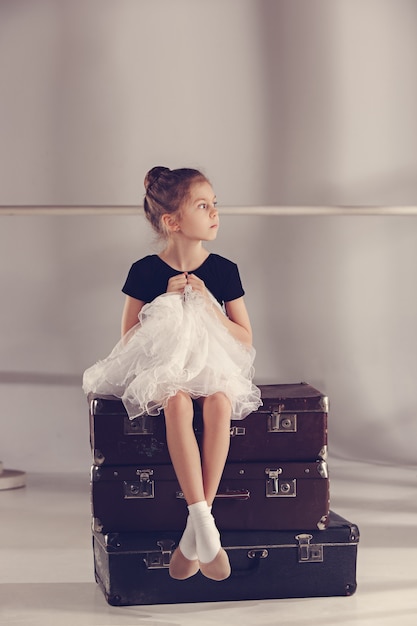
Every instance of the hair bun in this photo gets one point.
(153, 175)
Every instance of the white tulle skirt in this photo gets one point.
(179, 344)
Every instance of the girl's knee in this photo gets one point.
(218, 402)
(179, 404)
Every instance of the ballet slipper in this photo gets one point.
(218, 568)
(181, 568)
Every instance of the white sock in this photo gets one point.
(187, 542)
(206, 534)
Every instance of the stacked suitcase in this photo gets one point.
(272, 506)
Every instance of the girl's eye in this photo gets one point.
(204, 205)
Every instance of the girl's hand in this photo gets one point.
(197, 284)
(177, 283)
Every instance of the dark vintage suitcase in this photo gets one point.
(132, 568)
(291, 425)
(268, 496)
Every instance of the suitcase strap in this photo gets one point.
(307, 553)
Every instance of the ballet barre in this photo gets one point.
(267, 210)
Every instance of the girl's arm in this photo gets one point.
(237, 320)
(130, 314)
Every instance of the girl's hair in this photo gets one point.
(166, 191)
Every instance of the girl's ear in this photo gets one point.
(170, 223)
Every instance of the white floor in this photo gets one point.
(46, 569)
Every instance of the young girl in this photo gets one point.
(193, 341)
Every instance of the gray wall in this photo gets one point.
(281, 103)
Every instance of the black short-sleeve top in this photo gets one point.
(148, 278)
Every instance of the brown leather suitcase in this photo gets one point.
(117, 440)
(290, 426)
(256, 496)
(132, 568)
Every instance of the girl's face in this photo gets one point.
(199, 219)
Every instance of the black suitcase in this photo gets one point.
(132, 568)
(254, 496)
(290, 426)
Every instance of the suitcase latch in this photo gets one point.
(282, 422)
(160, 559)
(237, 430)
(308, 552)
(276, 488)
(142, 488)
(142, 425)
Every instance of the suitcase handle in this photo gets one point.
(233, 494)
(255, 556)
(229, 494)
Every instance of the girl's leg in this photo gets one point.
(214, 562)
(185, 457)
(183, 447)
(216, 440)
